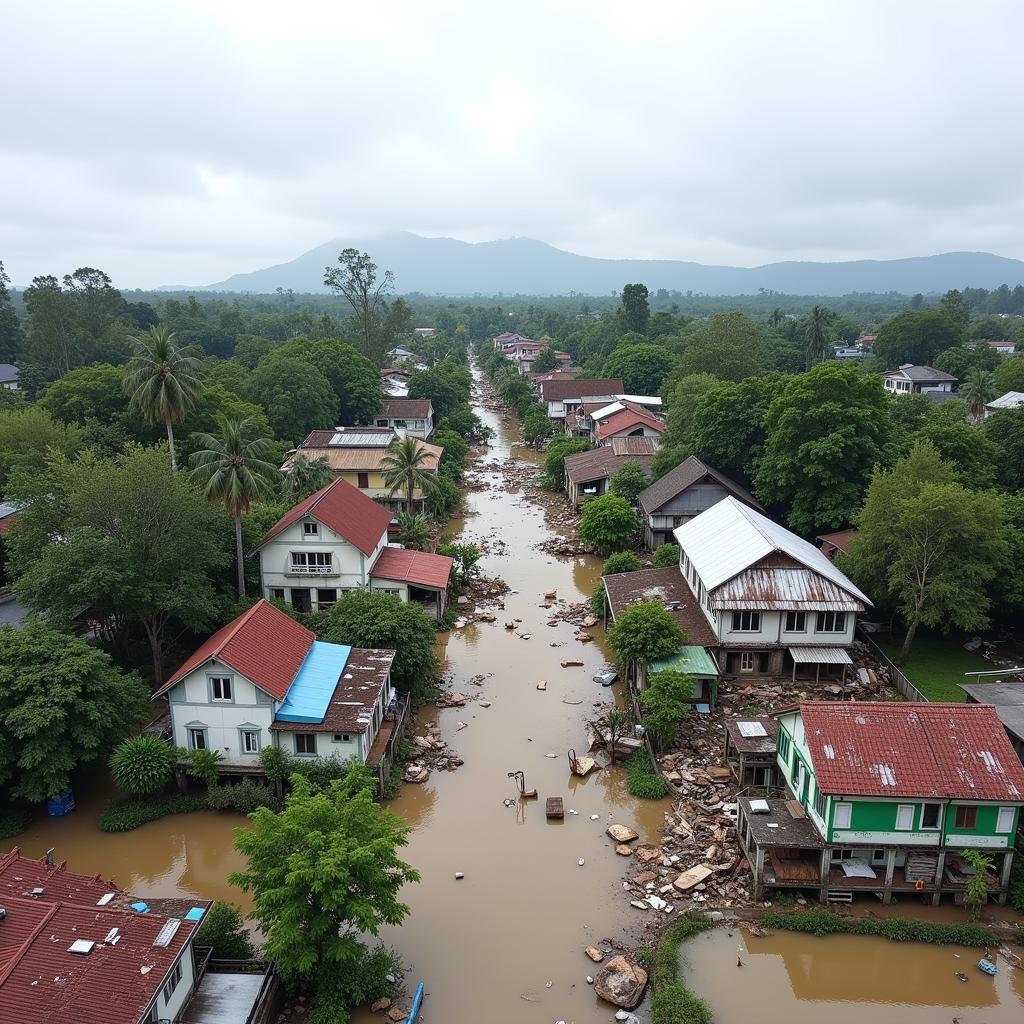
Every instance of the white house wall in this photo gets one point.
(773, 631)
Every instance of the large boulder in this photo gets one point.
(621, 983)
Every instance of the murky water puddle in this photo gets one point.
(845, 979)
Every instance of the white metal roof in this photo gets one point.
(820, 656)
(1008, 401)
(652, 400)
(607, 410)
(730, 537)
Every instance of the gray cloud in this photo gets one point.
(186, 142)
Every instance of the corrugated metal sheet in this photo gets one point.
(694, 661)
(783, 590)
(730, 537)
(820, 656)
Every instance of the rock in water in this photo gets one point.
(621, 833)
(621, 983)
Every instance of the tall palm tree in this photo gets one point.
(162, 382)
(818, 333)
(306, 475)
(978, 388)
(236, 469)
(403, 467)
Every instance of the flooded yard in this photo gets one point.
(846, 979)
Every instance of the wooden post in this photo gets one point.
(890, 867)
(758, 872)
(1004, 876)
(940, 867)
(823, 868)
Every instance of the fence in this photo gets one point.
(903, 685)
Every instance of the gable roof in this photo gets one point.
(352, 456)
(264, 644)
(8, 373)
(1011, 400)
(897, 748)
(598, 463)
(730, 536)
(560, 389)
(627, 418)
(634, 446)
(840, 540)
(420, 568)
(685, 475)
(343, 509)
(406, 408)
(921, 374)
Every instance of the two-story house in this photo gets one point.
(776, 604)
(336, 540)
(680, 495)
(265, 680)
(359, 455)
(886, 797)
(562, 395)
(412, 417)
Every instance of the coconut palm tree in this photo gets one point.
(403, 468)
(306, 475)
(978, 388)
(162, 382)
(413, 530)
(235, 468)
(818, 333)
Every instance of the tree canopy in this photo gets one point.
(642, 367)
(916, 336)
(608, 522)
(295, 395)
(730, 345)
(645, 632)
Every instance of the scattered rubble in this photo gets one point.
(621, 983)
(432, 753)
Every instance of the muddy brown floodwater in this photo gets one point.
(845, 979)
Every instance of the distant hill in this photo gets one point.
(524, 266)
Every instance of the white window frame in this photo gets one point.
(311, 559)
(304, 753)
(837, 620)
(753, 619)
(746, 661)
(1007, 815)
(842, 814)
(820, 803)
(310, 528)
(798, 617)
(243, 733)
(172, 983)
(202, 731)
(227, 689)
(938, 819)
(901, 812)
(342, 737)
(762, 773)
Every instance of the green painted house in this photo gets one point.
(886, 797)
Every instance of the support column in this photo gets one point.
(824, 863)
(940, 867)
(890, 867)
(1004, 875)
(758, 872)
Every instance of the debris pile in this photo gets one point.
(432, 752)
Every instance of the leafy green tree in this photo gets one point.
(621, 561)
(203, 766)
(295, 395)
(515, 390)
(681, 399)
(642, 367)
(140, 545)
(1009, 375)
(447, 385)
(636, 310)
(928, 544)
(216, 403)
(976, 890)
(825, 433)
(608, 522)
(443, 498)
(142, 764)
(324, 873)
(455, 454)
(730, 346)
(971, 454)
(355, 279)
(783, 355)
(466, 424)
(665, 557)
(466, 558)
(306, 476)
(667, 457)
(645, 632)
(223, 930)
(364, 618)
(250, 349)
(352, 376)
(404, 467)
(162, 382)
(956, 307)
(234, 468)
(27, 435)
(978, 389)
(818, 333)
(628, 480)
(88, 393)
(916, 336)
(665, 703)
(1004, 428)
(62, 705)
(536, 426)
(554, 458)
(413, 530)
(546, 360)
(12, 338)
(1008, 596)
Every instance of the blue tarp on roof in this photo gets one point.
(314, 683)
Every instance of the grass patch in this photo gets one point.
(645, 780)
(242, 798)
(896, 929)
(672, 1002)
(937, 664)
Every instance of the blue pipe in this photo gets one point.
(417, 1000)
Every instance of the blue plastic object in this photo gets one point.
(61, 805)
(987, 966)
(313, 686)
(195, 914)
(416, 1003)
(142, 908)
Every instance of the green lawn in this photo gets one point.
(937, 664)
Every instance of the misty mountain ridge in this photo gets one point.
(525, 266)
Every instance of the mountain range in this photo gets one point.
(525, 266)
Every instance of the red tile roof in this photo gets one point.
(20, 875)
(625, 420)
(419, 568)
(343, 509)
(264, 644)
(559, 388)
(896, 749)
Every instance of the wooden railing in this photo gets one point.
(903, 685)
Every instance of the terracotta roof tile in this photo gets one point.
(561, 388)
(626, 419)
(421, 568)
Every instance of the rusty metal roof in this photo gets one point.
(730, 537)
(781, 589)
(666, 586)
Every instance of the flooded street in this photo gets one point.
(846, 979)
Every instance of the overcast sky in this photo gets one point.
(185, 141)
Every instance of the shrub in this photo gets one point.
(276, 763)
(621, 561)
(628, 480)
(243, 797)
(1016, 890)
(223, 928)
(645, 631)
(597, 600)
(645, 780)
(142, 764)
(14, 819)
(666, 557)
(608, 522)
(126, 815)
(665, 703)
(896, 929)
(202, 765)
